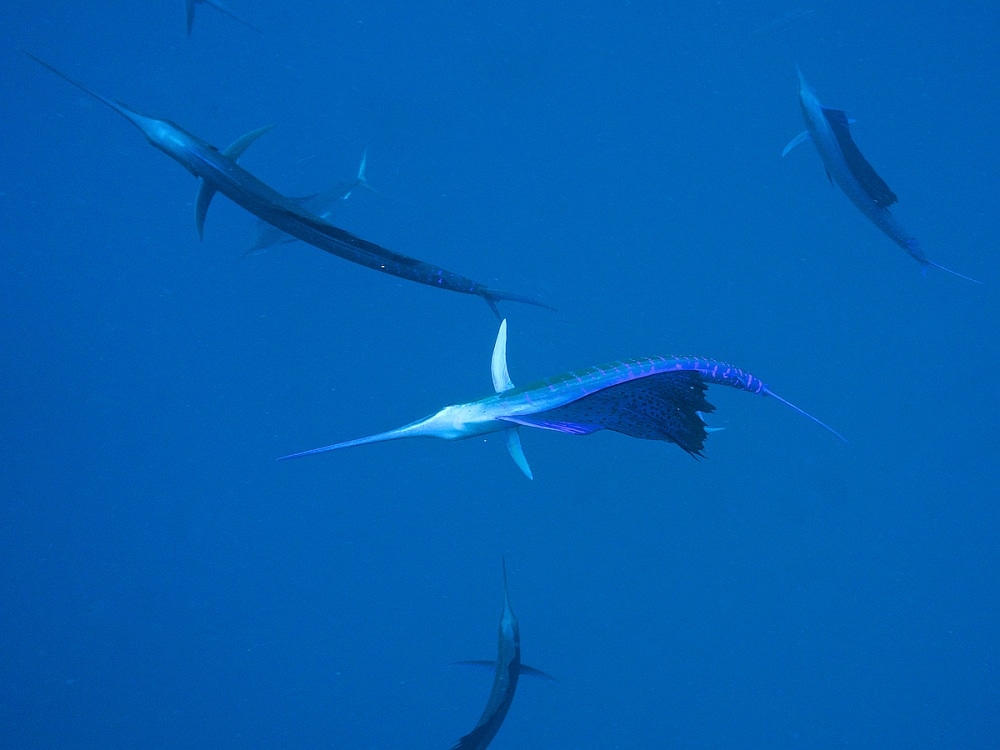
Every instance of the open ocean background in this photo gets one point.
(164, 583)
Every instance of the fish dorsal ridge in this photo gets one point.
(498, 366)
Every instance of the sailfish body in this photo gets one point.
(507, 669)
(829, 130)
(655, 398)
(220, 173)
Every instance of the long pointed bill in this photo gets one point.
(411, 430)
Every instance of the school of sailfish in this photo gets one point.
(654, 398)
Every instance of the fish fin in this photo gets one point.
(236, 149)
(361, 181)
(206, 191)
(953, 273)
(189, 9)
(513, 436)
(668, 406)
(532, 672)
(556, 425)
(498, 364)
(863, 172)
(768, 392)
(800, 138)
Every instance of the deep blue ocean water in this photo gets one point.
(164, 583)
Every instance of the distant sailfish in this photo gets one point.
(220, 173)
(507, 669)
(829, 130)
(657, 398)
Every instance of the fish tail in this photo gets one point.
(932, 264)
(493, 296)
(768, 392)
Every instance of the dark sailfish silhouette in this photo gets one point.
(829, 130)
(220, 173)
(508, 668)
(656, 398)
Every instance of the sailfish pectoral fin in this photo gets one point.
(800, 138)
(498, 365)
(206, 191)
(513, 436)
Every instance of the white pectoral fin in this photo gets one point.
(516, 451)
(498, 365)
(800, 138)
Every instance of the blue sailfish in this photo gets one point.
(829, 130)
(507, 669)
(219, 173)
(655, 398)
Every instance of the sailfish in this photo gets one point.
(507, 669)
(829, 130)
(220, 173)
(654, 398)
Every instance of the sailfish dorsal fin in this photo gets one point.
(498, 366)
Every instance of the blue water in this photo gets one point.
(165, 584)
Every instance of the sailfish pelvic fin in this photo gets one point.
(206, 191)
(800, 138)
(513, 435)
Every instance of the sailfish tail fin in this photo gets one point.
(768, 392)
(953, 273)
(493, 296)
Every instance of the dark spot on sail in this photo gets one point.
(863, 172)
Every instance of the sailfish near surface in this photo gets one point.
(829, 130)
(219, 173)
(655, 398)
(507, 669)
